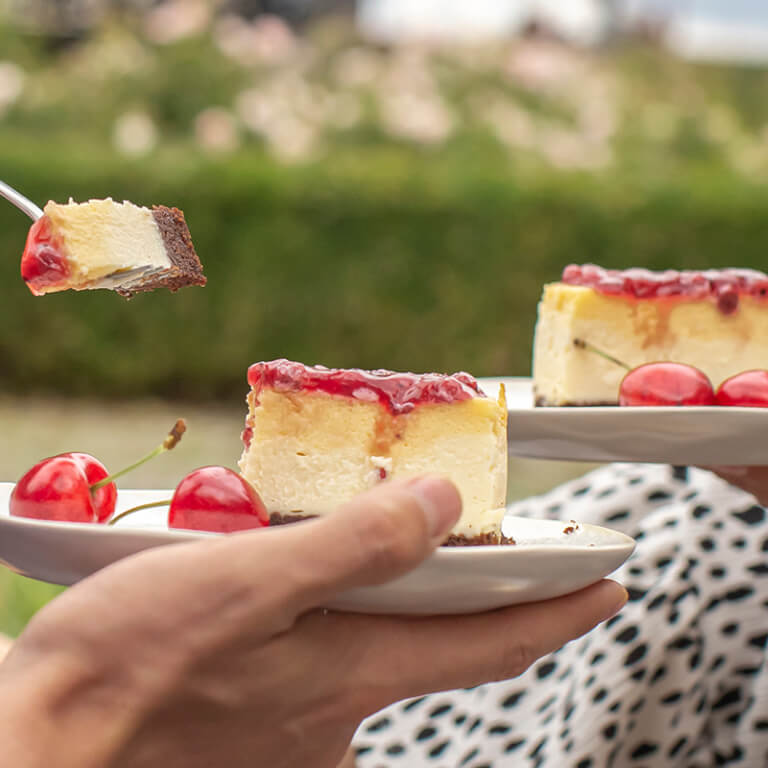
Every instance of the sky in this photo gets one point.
(709, 29)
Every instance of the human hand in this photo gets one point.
(753, 480)
(218, 652)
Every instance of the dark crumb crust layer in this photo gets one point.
(542, 402)
(484, 539)
(185, 268)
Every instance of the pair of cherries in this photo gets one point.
(665, 383)
(680, 384)
(76, 488)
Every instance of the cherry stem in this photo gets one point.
(170, 442)
(130, 511)
(581, 344)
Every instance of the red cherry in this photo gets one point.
(59, 488)
(749, 388)
(216, 499)
(666, 384)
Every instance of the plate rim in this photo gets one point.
(698, 410)
(183, 535)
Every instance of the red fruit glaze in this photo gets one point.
(666, 384)
(58, 488)
(399, 392)
(216, 499)
(723, 286)
(43, 263)
(749, 388)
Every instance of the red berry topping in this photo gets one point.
(723, 286)
(59, 488)
(43, 264)
(216, 499)
(749, 389)
(666, 384)
(399, 392)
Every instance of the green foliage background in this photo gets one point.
(409, 265)
(375, 249)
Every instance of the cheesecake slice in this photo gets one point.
(715, 320)
(315, 437)
(104, 244)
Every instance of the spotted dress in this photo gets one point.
(677, 680)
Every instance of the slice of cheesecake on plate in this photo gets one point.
(315, 437)
(715, 320)
(105, 244)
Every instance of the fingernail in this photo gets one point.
(440, 502)
(620, 597)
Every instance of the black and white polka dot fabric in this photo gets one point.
(677, 679)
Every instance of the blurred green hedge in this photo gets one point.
(393, 258)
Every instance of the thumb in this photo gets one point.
(378, 536)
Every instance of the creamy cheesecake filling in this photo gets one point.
(637, 331)
(103, 238)
(309, 452)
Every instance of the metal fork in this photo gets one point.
(21, 202)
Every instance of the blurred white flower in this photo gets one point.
(597, 117)
(512, 125)
(257, 109)
(343, 110)
(272, 114)
(544, 65)
(216, 130)
(410, 105)
(174, 20)
(355, 67)
(570, 150)
(134, 133)
(267, 40)
(11, 84)
(420, 117)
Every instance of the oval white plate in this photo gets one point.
(546, 562)
(703, 436)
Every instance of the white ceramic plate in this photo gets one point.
(545, 563)
(659, 435)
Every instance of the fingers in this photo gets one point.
(376, 537)
(5, 645)
(447, 652)
(753, 480)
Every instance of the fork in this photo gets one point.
(21, 202)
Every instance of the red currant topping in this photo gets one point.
(43, 263)
(216, 499)
(723, 286)
(59, 488)
(749, 388)
(666, 384)
(399, 392)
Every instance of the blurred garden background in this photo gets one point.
(379, 183)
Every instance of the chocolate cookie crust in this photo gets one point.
(483, 539)
(185, 268)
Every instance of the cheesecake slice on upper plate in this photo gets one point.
(715, 320)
